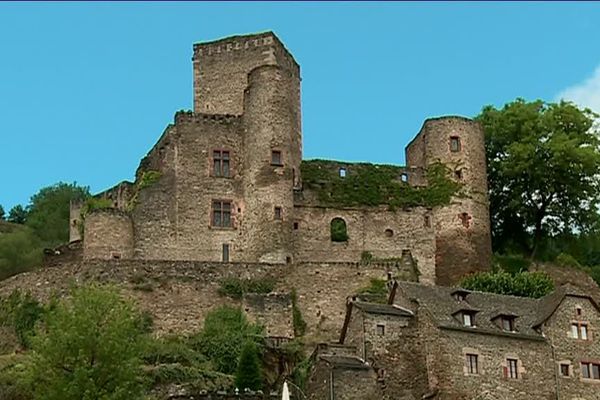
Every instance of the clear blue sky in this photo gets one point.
(86, 89)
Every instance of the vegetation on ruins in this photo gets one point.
(145, 180)
(543, 166)
(236, 287)
(376, 184)
(376, 291)
(297, 319)
(524, 284)
(249, 371)
(225, 331)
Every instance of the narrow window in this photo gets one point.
(116, 256)
(296, 226)
(564, 370)
(225, 252)
(508, 324)
(583, 331)
(465, 219)
(427, 221)
(404, 177)
(467, 319)
(380, 330)
(338, 230)
(454, 144)
(221, 215)
(221, 163)
(512, 366)
(472, 364)
(278, 213)
(578, 311)
(458, 174)
(342, 172)
(276, 158)
(574, 331)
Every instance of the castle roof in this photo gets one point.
(382, 309)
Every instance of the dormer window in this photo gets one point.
(507, 323)
(466, 317)
(460, 295)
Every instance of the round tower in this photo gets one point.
(272, 158)
(108, 234)
(463, 238)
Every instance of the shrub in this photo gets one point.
(567, 261)
(297, 319)
(511, 263)
(524, 284)
(249, 372)
(366, 257)
(148, 178)
(376, 291)
(338, 230)
(20, 312)
(237, 287)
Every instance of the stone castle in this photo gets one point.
(225, 194)
(227, 183)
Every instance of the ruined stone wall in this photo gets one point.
(463, 239)
(108, 234)
(271, 120)
(383, 233)
(273, 311)
(572, 351)
(535, 370)
(221, 69)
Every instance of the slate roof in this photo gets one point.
(383, 309)
(442, 306)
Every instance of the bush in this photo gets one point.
(512, 263)
(297, 319)
(20, 251)
(377, 290)
(249, 371)
(225, 331)
(567, 261)
(237, 287)
(20, 313)
(524, 284)
(338, 230)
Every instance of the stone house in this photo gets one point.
(226, 182)
(449, 343)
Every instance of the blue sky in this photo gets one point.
(86, 89)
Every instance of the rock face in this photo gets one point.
(225, 182)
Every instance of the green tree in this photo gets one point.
(48, 212)
(523, 284)
(2, 213)
(225, 331)
(17, 215)
(543, 163)
(89, 348)
(249, 372)
(20, 251)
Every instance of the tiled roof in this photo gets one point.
(384, 309)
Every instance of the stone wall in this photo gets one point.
(572, 351)
(108, 234)
(383, 233)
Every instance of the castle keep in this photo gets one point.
(224, 183)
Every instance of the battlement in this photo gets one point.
(182, 117)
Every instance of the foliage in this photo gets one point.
(366, 257)
(89, 348)
(12, 384)
(172, 350)
(543, 163)
(376, 184)
(49, 212)
(17, 215)
(301, 372)
(198, 377)
(237, 287)
(249, 372)
(20, 251)
(297, 320)
(2, 213)
(511, 263)
(567, 260)
(524, 284)
(225, 331)
(338, 230)
(377, 290)
(93, 204)
(148, 179)
(20, 312)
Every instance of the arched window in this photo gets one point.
(338, 230)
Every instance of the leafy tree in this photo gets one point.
(2, 213)
(248, 374)
(524, 284)
(225, 331)
(17, 215)
(543, 164)
(20, 251)
(48, 212)
(89, 348)
(20, 313)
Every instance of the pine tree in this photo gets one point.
(249, 374)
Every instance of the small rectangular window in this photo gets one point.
(381, 330)
(225, 252)
(579, 330)
(427, 221)
(507, 324)
(342, 172)
(278, 213)
(276, 158)
(472, 364)
(467, 319)
(296, 226)
(458, 174)
(454, 144)
(564, 370)
(512, 366)
(221, 163)
(221, 214)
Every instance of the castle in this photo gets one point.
(225, 194)
(225, 183)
